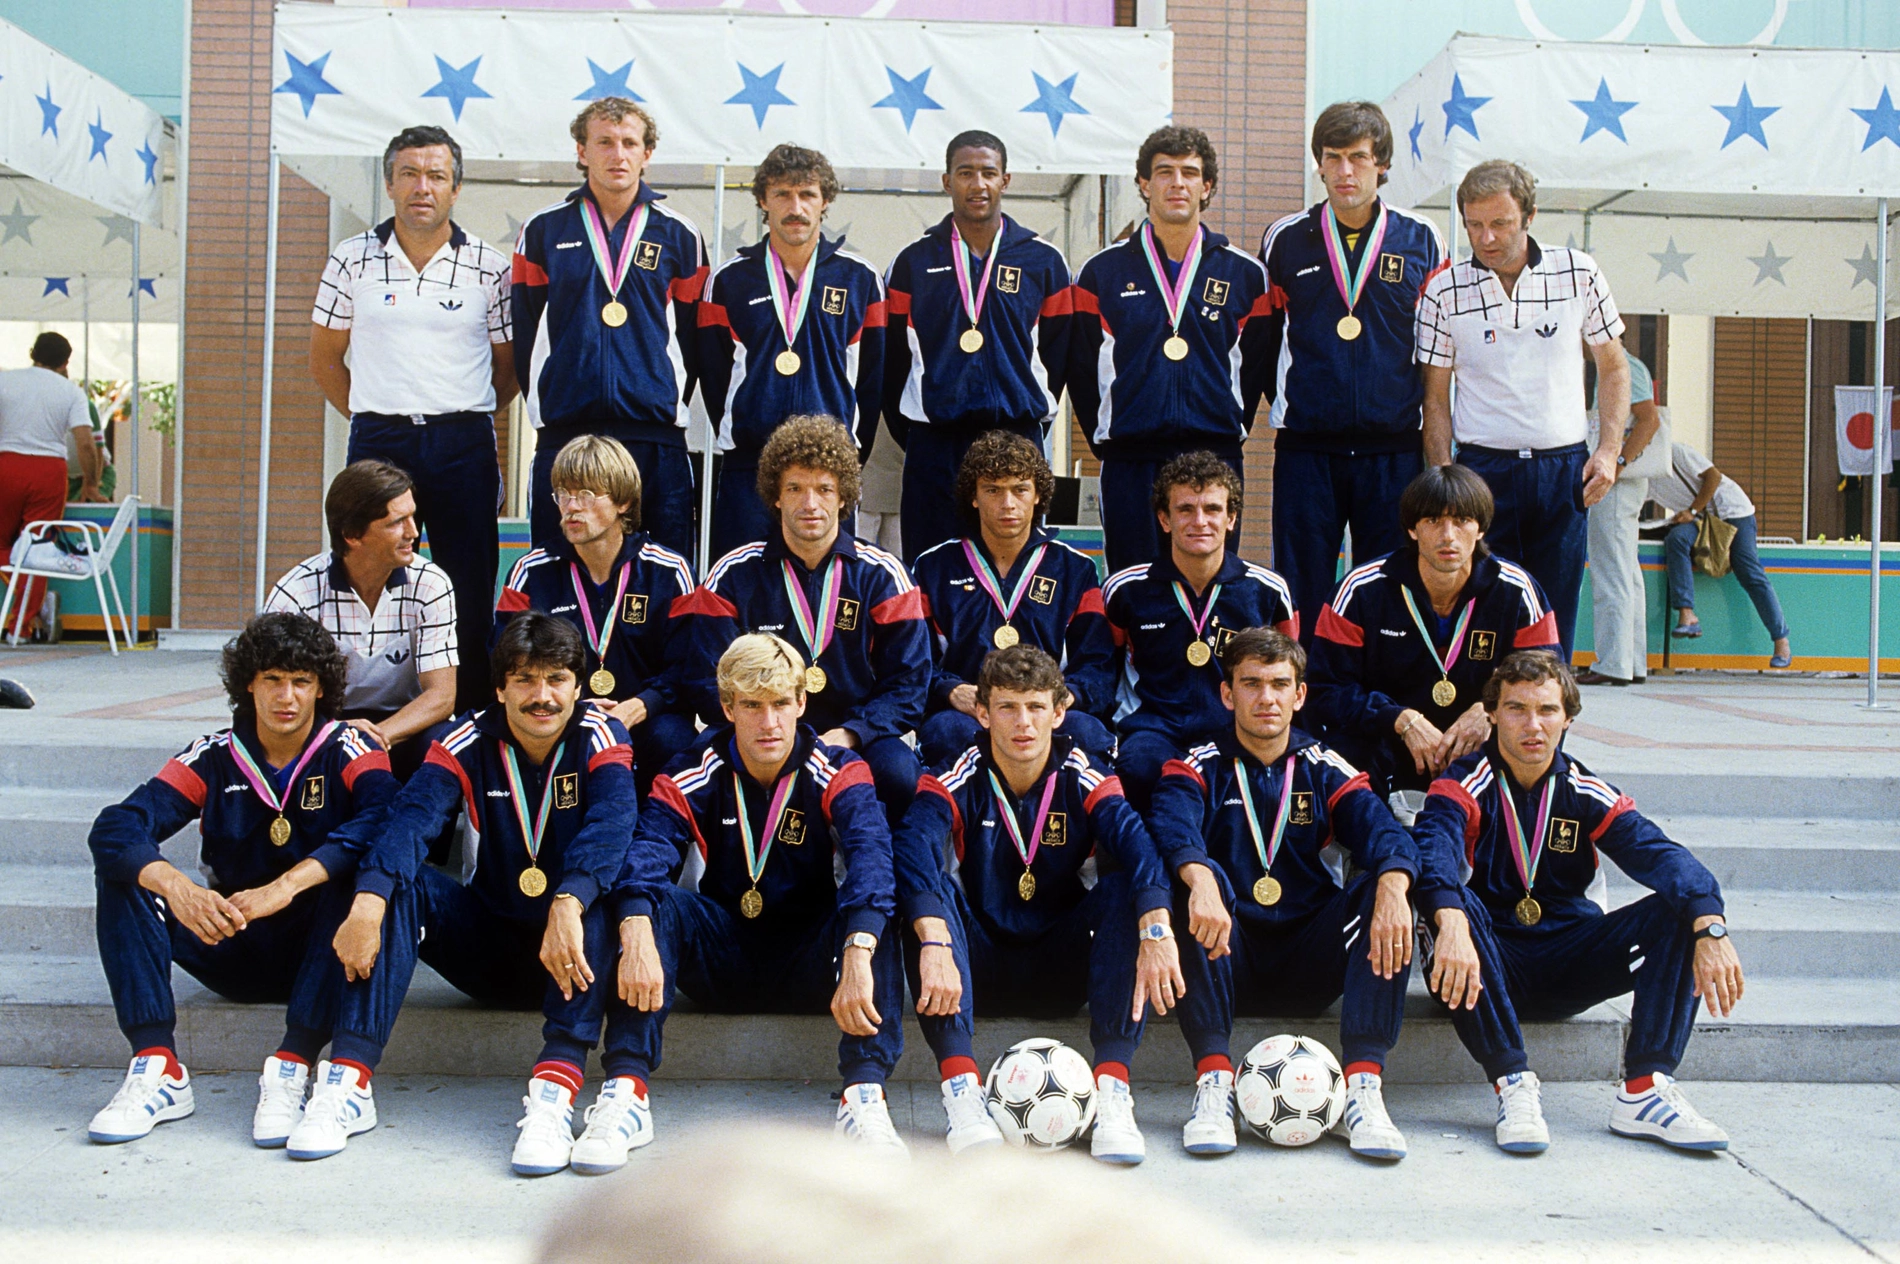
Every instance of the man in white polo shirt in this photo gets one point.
(1506, 323)
(39, 408)
(434, 362)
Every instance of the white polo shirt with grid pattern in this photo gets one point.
(419, 341)
(1517, 358)
(414, 622)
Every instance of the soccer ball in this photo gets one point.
(1290, 1090)
(1041, 1093)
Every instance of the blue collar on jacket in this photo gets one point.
(726, 741)
(1401, 566)
(846, 545)
(644, 194)
(1232, 567)
(1010, 234)
(493, 722)
(827, 247)
(1230, 748)
(1211, 242)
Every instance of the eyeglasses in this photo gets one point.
(580, 500)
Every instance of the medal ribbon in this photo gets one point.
(816, 629)
(790, 301)
(1268, 848)
(613, 271)
(1187, 608)
(1174, 296)
(755, 855)
(1525, 855)
(518, 795)
(254, 773)
(1450, 659)
(1004, 809)
(598, 641)
(960, 255)
(993, 584)
(1350, 284)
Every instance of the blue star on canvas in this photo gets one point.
(49, 113)
(1883, 122)
(1411, 133)
(306, 81)
(56, 285)
(1603, 113)
(608, 83)
(147, 155)
(1461, 109)
(907, 96)
(1745, 119)
(760, 92)
(1053, 100)
(457, 85)
(145, 284)
(99, 138)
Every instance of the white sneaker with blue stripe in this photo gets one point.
(146, 1099)
(1210, 1126)
(967, 1122)
(1116, 1137)
(865, 1118)
(1664, 1114)
(280, 1093)
(1521, 1126)
(1369, 1129)
(619, 1121)
(546, 1143)
(340, 1107)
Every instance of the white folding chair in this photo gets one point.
(99, 549)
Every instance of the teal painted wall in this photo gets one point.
(137, 44)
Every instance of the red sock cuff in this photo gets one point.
(1364, 1068)
(285, 1055)
(172, 1067)
(566, 1074)
(1641, 1084)
(1214, 1062)
(1114, 1070)
(639, 1085)
(950, 1068)
(362, 1072)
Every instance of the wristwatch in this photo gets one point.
(1621, 461)
(1714, 930)
(861, 939)
(1160, 930)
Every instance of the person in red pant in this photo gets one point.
(38, 406)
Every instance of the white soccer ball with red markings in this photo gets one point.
(1041, 1093)
(1290, 1090)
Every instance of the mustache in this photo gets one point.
(541, 709)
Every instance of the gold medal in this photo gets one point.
(787, 362)
(602, 683)
(1198, 653)
(614, 315)
(751, 904)
(1175, 348)
(1529, 912)
(533, 881)
(279, 831)
(971, 341)
(1026, 885)
(1267, 890)
(815, 680)
(1444, 693)
(1349, 327)
(1006, 636)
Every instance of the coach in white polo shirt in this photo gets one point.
(422, 309)
(1507, 324)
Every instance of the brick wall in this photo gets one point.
(224, 327)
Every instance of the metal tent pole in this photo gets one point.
(1883, 420)
(706, 457)
(132, 539)
(270, 352)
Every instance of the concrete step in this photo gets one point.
(115, 769)
(1755, 796)
(48, 827)
(1819, 853)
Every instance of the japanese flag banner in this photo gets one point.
(1854, 429)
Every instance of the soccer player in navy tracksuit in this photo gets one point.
(774, 811)
(849, 606)
(547, 782)
(1172, 619)
(267, 793)
(1254, 823)
(1168, 351)
(798, 292)
(1346, 396)
(990, 861)
(1528, 824)
(631, 585)
(980, 310)
(606, 288)
(1402, 652)
(1050, 592)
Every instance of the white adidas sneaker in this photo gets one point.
(970, 1126)
(280, 1091)
(1521, 1126)
(1116, 1138)
(341, 1106)
(864, 1117)
(146, 1099)
(1210, 1126)
(619, 1121)
(1664, 1114)
(546, 1143)
(1369, 1129)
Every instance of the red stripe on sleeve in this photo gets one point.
(1085, 302)
(183, 780)
(855, 773)
(1182, 768)
(1290, 625)
(1091, 603)
(1539, 635)
(873, 317)
(1623, 804)
(1358, 781)
(1449, 789)
(1261, 307)
(1061, 303)
(1337, 630)
(713, 316)
(512, 601)
(905, 605)
(440, 756)
(702, 600)
(897, 302)
(687, 289)
(1276, 299)
(1107, 788)
(667, 791)
(619, 753)
(528, 272)
(928, 784)
(366, 762)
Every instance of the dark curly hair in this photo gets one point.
(998, 454)
(795, 165)
(1180, 142)
(816, 442)
(535, 638)
(283, 641)
(1198, 470)
(1020, 669)
(1533, 667)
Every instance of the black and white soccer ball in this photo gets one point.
(1290, 1090)
(1041, 1093)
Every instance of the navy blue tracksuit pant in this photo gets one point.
(894, 771)
(932, 456)
(452, 460)
(730, 965)
(1139, 756)
(1555, 971)
(950, 732)
(1316, 495)
(669, 493)
(1089, 955)
(1294, 972)
(1130, 534)
(285, 957)
(1540, 522)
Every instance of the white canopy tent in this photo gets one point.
(1713, 181)
(67, 138)
(880, 98)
